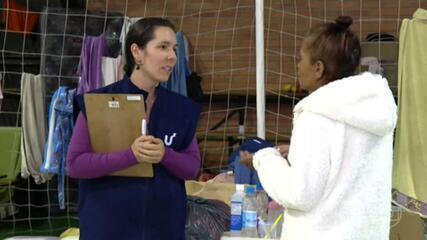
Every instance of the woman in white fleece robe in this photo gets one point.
(336, 183)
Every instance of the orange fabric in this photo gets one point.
(17, 18)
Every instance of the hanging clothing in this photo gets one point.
(155, 208)
(373, 64)
(410, 158)
(178, 79)
(1, 89)
(90, 66)
(33, 127)
(127, 22)
(111, 70)
(60, 130)
(17, 18)
(336, 183)
(10, 164)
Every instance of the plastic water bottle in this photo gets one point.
(236, 208)
(262, 202)
(250, 216)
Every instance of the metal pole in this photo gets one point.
(260, 68)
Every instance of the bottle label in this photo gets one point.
(236, 208)
(236, 216)
(249, 219)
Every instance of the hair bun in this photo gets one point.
(344, 22)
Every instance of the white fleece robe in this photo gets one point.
(339, 183)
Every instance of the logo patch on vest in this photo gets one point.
(169, 140)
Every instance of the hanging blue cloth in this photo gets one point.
(60, 129)
(178, 79)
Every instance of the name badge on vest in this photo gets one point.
(169, 139)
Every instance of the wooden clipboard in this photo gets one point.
(114, 122)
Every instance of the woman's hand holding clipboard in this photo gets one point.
(147, 148)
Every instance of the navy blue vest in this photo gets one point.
(141, 208)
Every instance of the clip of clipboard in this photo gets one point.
(115, 121)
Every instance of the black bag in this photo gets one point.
(206, 219)
(194, 89)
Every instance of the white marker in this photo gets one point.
(143, 127)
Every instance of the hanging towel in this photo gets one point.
(60, 130)
(178, 79)
(33, 127)
(90, 67)
(111, 70)
(410, 155)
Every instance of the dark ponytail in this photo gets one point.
(141, 32)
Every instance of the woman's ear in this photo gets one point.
(319, 69)
(136, 51)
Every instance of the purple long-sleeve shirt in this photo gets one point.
(83, 163)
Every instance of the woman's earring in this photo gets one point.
(138, 65)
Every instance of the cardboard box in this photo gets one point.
(406, 226)
(211, 190)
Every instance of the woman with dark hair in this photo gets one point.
(112, 207)
(336, 180)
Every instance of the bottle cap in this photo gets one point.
(250, 190)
